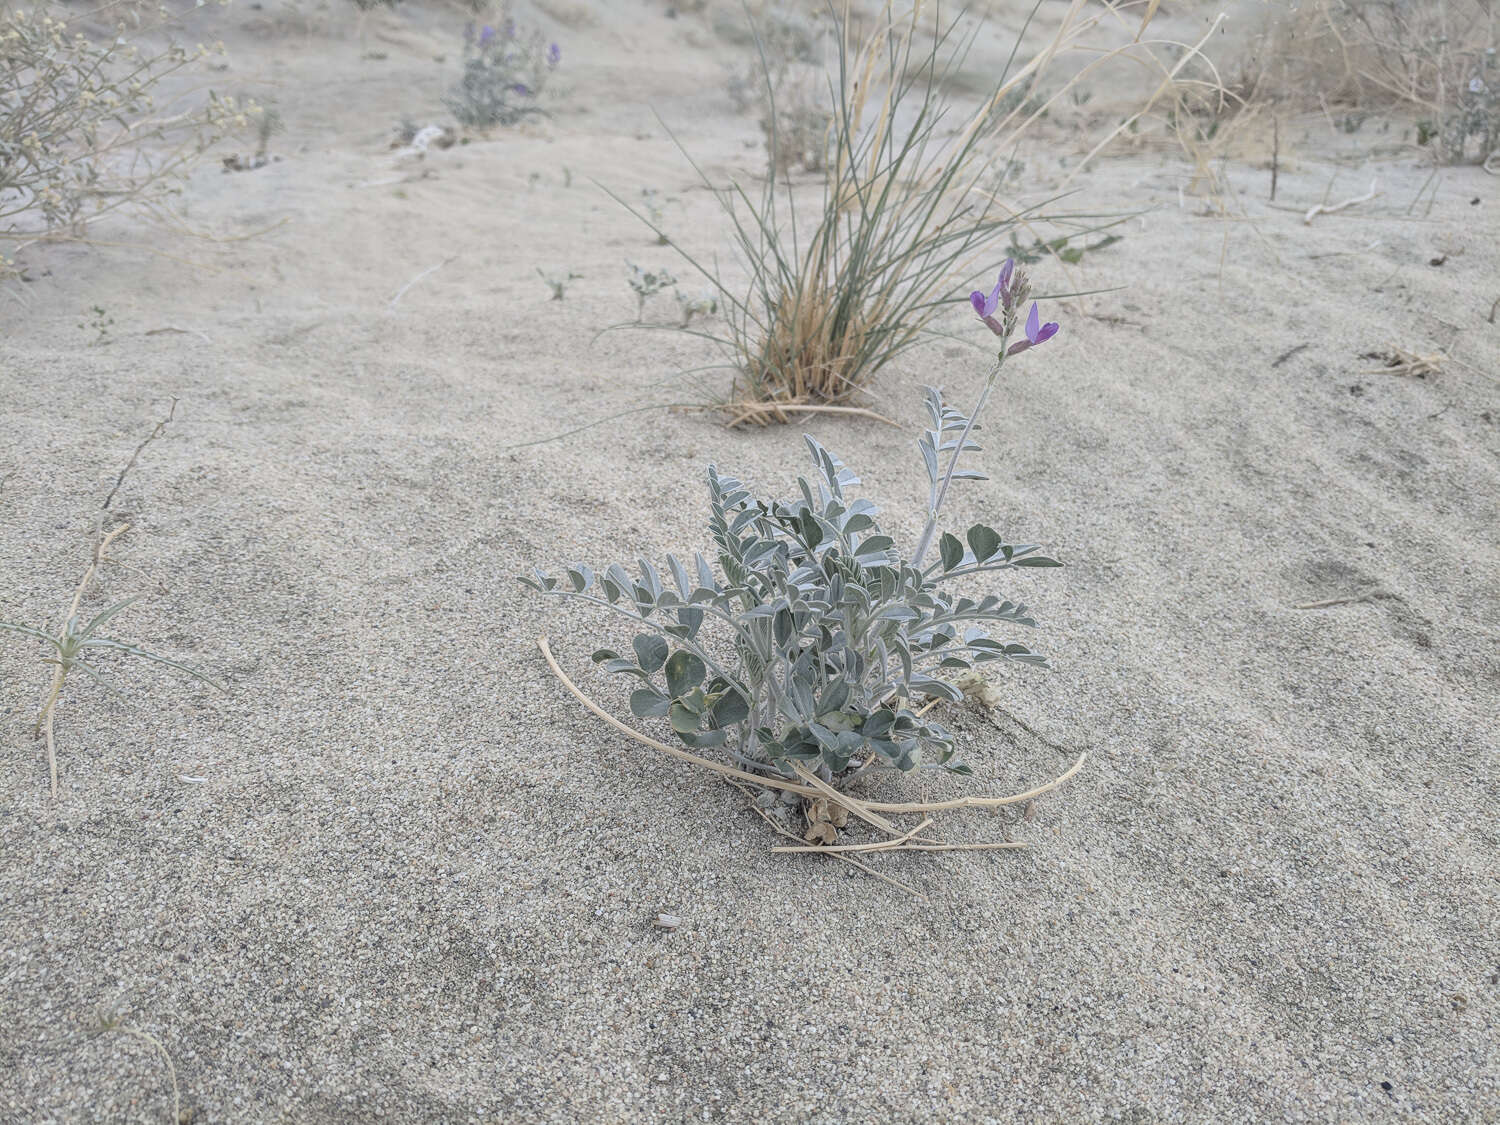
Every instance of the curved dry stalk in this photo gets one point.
(876, 846)
(727, 771)
(151, 1040)
(865, 807)
(44, 719)
(976, 802)
(1167, 82)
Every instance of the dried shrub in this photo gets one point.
(1435, 58)
(82, 132)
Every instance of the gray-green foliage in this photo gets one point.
(812, 639)
(647, 284)
(505, 72)
(78, 639)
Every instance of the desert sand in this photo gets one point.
(396, 873)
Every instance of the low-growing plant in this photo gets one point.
(1072, 254)
(99, 322)
(805, 647)
(559, 285)
(81, 131)
(705, 304)
(652, 203)
(779, 41)
(798, 129)
(505, 71)
(76, 640)
(646, 284)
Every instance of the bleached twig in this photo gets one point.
(425, 273)
(1330, 208)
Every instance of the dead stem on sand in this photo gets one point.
(109, 1022)
(1397, 360)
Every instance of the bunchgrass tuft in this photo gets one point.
(848, 272)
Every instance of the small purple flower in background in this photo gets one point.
(486, 33)
(998, 299)
(522, 89)
(554, 55)
(1036, 331)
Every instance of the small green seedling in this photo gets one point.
(1059, 246)
(647, 285)
(559, 286)
(101, 322)
(656, 217)
(72, 645)
(704, 305)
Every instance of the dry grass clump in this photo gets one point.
(81, 131)
(1435, 58)
(848, 273)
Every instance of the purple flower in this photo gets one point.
(999, 298)
(1036, 331)
(486, 33)
(554, 55)
(522, 89)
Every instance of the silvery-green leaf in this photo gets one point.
(684, 672)
(730, 709)
(648, 704)
(951, 550)
(983, 541)
(622, 665)
(683, 720)
(703, 740)
(650, 651)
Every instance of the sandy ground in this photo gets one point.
(417, 882)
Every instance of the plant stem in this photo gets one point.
(942, 492)
(45, 720)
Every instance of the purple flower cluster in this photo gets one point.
(1010, 290)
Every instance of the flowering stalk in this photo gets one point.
(1010, 293)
